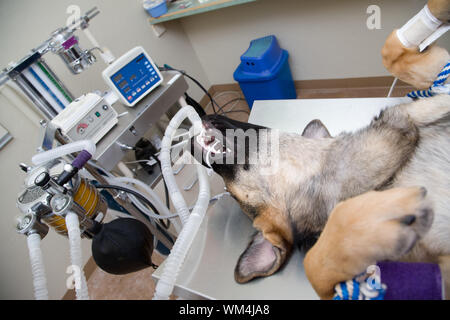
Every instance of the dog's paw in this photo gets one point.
(378, 226)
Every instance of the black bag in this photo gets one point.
(123, 246)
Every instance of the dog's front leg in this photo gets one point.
(268, 249)
(360, 231)
(425, 112)
(444, 265)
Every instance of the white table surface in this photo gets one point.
(336, 114)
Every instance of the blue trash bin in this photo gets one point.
(264, 72)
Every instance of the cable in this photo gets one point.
(166, 190)
(392, 87)
(137, 161)
(167, 67)
(217, 95)
(235, 111)
(233, 100)
(212, 101)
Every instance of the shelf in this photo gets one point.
(175, 12)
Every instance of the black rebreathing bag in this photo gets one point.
(123, 246)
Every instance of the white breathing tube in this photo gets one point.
(63, 150)
(73, 228)
(191, 223)
(166, 164)
(74, 233)
(37, 267)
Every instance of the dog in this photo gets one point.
(404, 146)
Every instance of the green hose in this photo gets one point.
(57, 85)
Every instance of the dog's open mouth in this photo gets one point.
(222, 142)
(209, 141)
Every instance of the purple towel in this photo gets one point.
(411, 281)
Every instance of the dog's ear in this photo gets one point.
(315, 130)
(260, 259)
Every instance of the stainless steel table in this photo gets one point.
(208, 270)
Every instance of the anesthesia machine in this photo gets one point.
(69, 185)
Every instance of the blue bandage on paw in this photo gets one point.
(359, 289)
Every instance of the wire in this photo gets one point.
(137, 161)
(217, 95)
(392, 87)
(233, 100)
(166, 190)
(167, 67)
(212, 101)
(235, 111)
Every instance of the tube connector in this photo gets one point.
(30, 224)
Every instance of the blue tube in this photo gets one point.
(36, 76)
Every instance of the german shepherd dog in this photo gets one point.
(404, 146)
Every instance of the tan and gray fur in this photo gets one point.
(406, 145)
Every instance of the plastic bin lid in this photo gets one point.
(242, 75)
(263, 54)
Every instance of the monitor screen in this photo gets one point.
(136, 78)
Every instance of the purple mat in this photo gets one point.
(411, 281)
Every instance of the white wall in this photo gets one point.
(24, 24)
(325, 39)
